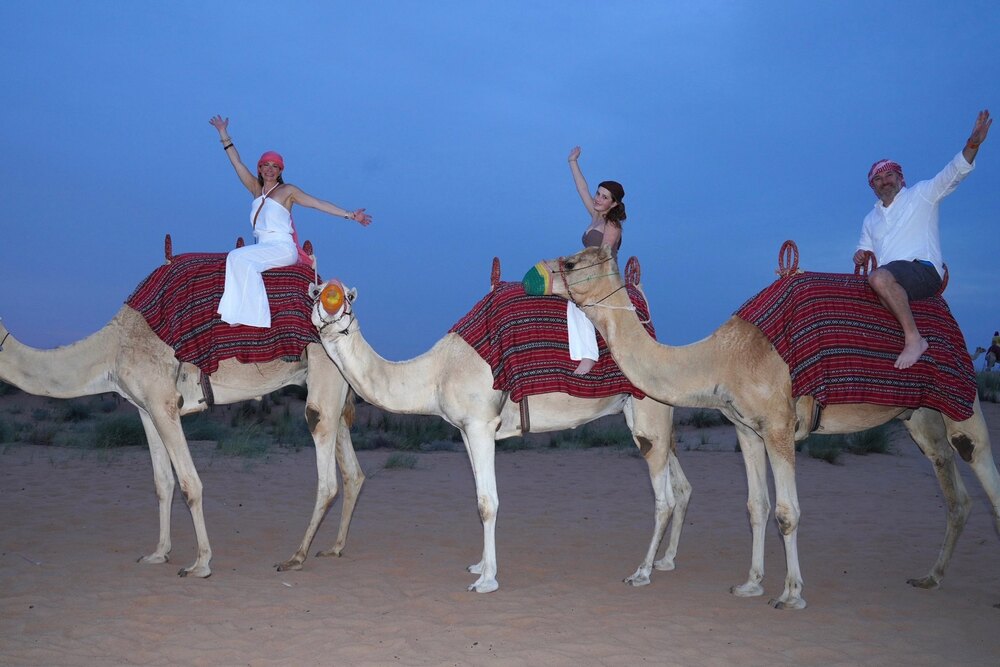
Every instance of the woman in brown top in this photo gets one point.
(607, 212)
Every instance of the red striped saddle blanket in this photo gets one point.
(179, 301)
(840, 343)
(524, 340)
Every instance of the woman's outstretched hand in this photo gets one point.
(574, 154)
(361, 217)
(219, 123)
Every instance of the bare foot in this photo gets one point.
(910, 354)
(585, 366)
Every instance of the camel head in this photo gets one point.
(590, 276)
(333, 311)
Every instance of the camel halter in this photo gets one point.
(600, 302)
(348, 313)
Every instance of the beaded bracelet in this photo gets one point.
(227, 146)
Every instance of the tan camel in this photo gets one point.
(126, 357)
(752, 387)
(452, 381)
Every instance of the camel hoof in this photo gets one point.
(290, 565)
(664, 564)
(153, 559)
(794, 603)
(747, 590)
(203, 573)
(485, 586)
(329, 552)
(476, 569)
(637, 579)
(927, 583)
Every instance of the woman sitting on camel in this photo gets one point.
(607, 212)
(244, 299)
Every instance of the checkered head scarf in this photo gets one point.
(883, 166)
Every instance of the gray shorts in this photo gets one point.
(919, 280)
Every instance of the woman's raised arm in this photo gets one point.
(247, 177)
(581, 183)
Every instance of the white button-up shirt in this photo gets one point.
(907, 228)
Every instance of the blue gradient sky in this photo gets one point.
(732, 125)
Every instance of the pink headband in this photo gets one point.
(883, 166)
(271, 156)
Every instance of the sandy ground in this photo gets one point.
(572, 525)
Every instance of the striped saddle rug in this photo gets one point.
(524, 340)
(840, 343)
(179, 301)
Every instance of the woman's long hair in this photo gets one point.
(615, 216)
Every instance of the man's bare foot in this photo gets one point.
(585, 366)
(910, 354)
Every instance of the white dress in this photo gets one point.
(244, 299)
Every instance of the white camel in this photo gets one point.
(126, 357)
(452, 381)
(737, 371)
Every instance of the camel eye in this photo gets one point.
(570, 265)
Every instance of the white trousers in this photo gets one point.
(244, 299)
(582, 335)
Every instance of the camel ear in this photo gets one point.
(352, 294)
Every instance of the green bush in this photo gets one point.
(248, 441)
(829, 447)
(400, 460)
(704, 418)
(76, 411)
(988, 384)
(121, 431)
(201, 426)
(6, 431)
(8, 389)
(41, 434)
(291, 431)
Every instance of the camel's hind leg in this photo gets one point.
(758, 506)
(927, 428)
(166, 422)
(354, 478)
(327, 407)
(651, 424)
(970, 438)
(163, 478)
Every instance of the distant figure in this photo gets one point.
(244, 299)
(993, 355)
(902, 232)
(607, 212)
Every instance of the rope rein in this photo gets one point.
(600, 302)
(4, 341)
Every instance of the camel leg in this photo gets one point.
(682, 496)
(786, 512)
(758, 506)
(324, 408)
(652, 431)
(163, 478)
(167, 423)
(354, 478)
(480, 445)
(927, 428)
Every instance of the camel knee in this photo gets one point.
(487, 509)
(787, 517)
(313, 417)
(191, 488)
(964, 446)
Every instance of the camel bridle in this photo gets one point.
(564, 270)
(348, 313)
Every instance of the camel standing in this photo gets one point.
(452, 381)
(737, 371)
(126, 357)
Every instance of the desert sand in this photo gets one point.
(572, 525)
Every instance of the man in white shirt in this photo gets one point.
(902, 232)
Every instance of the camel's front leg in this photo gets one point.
(354, 478)
(480, 445)
(163, 478)
(758, 505)
(786, 511)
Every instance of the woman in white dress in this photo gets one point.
(607, 212)
(244, 300)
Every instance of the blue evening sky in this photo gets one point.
(732, 125)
